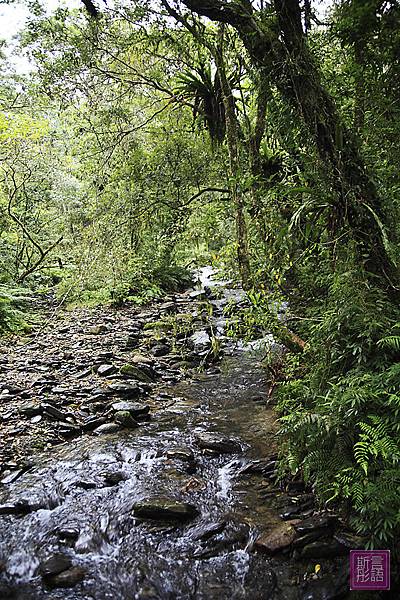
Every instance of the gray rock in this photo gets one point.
(180, 453)
(160, 350)
(135, 409)
(52, 411)
(107, 428)
(97, 329)
(316, 523)
(106, 370)
(217, 443)
(130, 390)
(164, 509)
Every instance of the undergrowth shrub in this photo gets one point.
(12, 314)
(340, 415)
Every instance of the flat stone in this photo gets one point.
(217, 443)
(93, 423)
(55, 564)
(106, 370)
(135, 409)
(276, 540)
(53, 411)
(164, 509)
(142, 359)
(68, 533)
(130, 390)
(21, 507)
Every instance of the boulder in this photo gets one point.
(125, 419)
(281, 537)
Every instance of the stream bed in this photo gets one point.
(171, 509)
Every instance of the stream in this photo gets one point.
(171, 509)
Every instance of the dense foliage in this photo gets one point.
(153, 136)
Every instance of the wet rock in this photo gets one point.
(106, 370)
(125, 419)
(207, 530)
(181, 453)
(54, 564)
(328, 588)
(142, 374)
(288, 512)
(130, 390)
(351, 541)
(281, 537)
(36, 419)
(114, 478)
(20, 507)
(107, 428)
(324, 549)
(13, 476)
(200, 341)
(217, 443)
(168, 307)
(93, 423)
(164, 509)
(316, 523)
(69, 534)
(266, 467)
(67, 579)
(308, 538)
(135, 409)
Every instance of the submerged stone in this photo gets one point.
(164, 509)
(67, 579)
(55, 564)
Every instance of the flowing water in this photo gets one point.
(84, 493)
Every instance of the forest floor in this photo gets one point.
(90, 383)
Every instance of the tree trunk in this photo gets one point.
(284, 60)
(233, 140)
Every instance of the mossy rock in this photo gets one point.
(136, 373)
